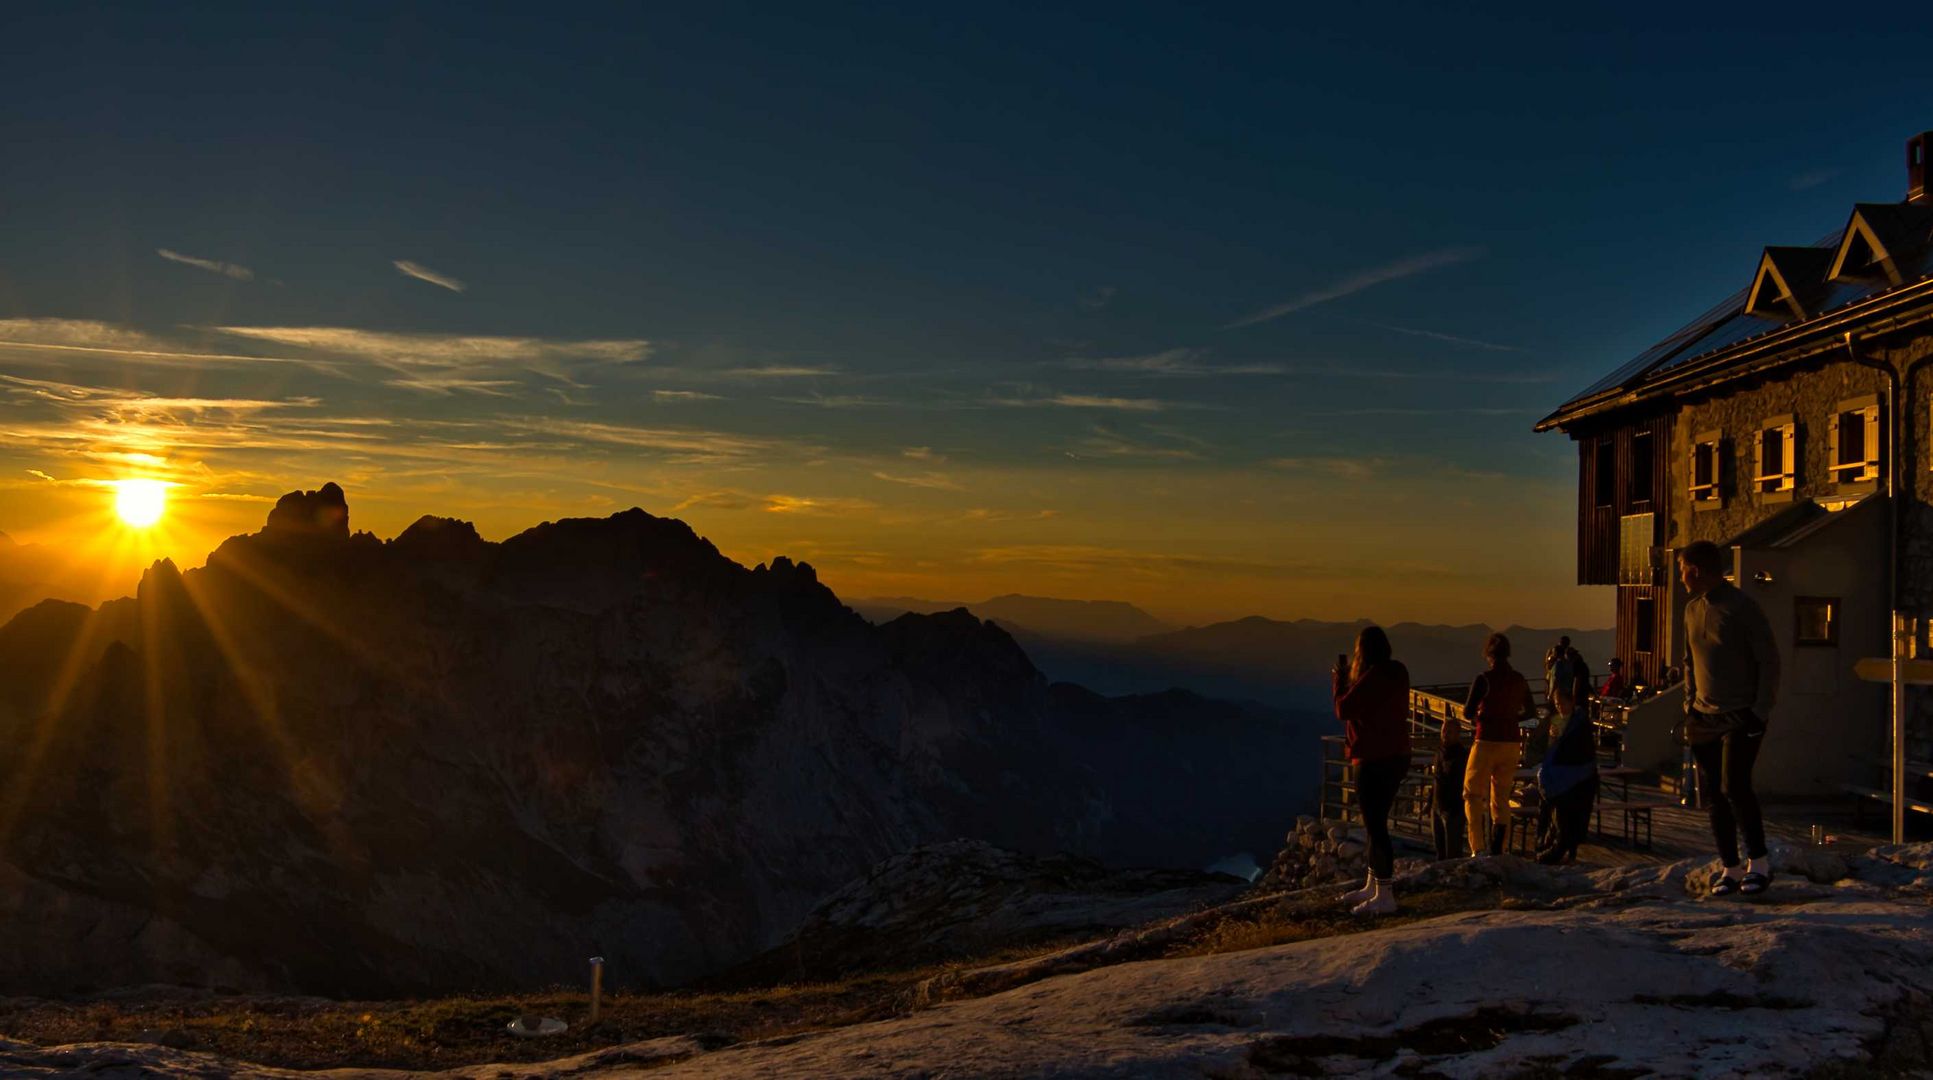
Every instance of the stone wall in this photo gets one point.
(1811, 396)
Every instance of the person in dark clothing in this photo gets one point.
(1372, 701)
(1568, 778)
(1731, 680)
(1447, 827)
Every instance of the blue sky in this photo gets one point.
(1221, 311)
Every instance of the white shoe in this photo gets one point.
(1357, 896)
(1381, 902)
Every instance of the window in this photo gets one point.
(1778, 465)
(1855, 441)
(1705, 491)
(1606, 464)
(1816, 620)
(1641, 464)
(1635, 532)
(1644, 634)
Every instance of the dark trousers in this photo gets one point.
(1447, 826)
(1571, 817)
(1725, 783)
(1377, 782)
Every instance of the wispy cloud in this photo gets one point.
(934, 480)
(836, 401)
(1097, 298)
(1451, 338)
(213, 266)
(799, 504)
(1355, 283)
(1157, 444)
(725, 499)
(684, 395)
(451, 363)
(90, 336)
(120, 402)
(1341, 467)
(680, 444)
(423, 273)
(777, 371)
(1090, 401)
(1171, 363)
(1810, 179)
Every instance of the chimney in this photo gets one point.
(1916, 148)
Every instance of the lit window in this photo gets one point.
(1855, 441)
(1778, 465)
(1635, 532)
(1816, 620)
(1705, 469)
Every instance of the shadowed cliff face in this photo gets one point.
(331, 763)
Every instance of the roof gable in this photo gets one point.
(1788, 282)
(1880, 239)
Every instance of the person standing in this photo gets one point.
(1567, 777)
(1447, 827)
(1731, 679)
(1557, 674)
(1498, 700)
(1372, 701)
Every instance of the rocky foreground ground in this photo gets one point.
(1624, 972)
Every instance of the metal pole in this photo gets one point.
(597, 987)
(1899, 730)
(1896, 636)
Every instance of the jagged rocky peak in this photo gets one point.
(163, 577)
(323, 512)
(785, 570)
(434, 536)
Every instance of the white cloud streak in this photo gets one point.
(213, 266)
(1451, 338)
(423, 273)
(1355, 283)
(1170, 363)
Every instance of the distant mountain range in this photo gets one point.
(30, 573)
(1280, 663)
(1077, 620)
(328, 763)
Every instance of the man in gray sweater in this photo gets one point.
(1731, 678)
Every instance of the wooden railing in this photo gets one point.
(1429, 706)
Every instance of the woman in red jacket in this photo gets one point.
(1372, 701)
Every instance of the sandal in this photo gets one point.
(1724, 886)
(1754, 883)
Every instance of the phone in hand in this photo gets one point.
(1342, 663)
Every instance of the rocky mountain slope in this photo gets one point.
(331, 763)
(1623, 972)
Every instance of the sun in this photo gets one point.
(140, 502)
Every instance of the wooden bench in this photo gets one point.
(1633, 813)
